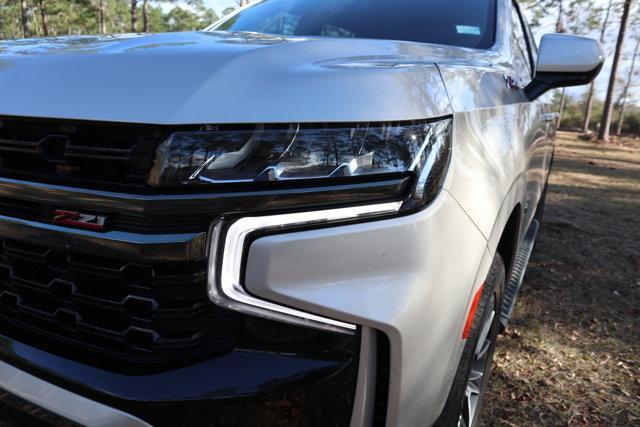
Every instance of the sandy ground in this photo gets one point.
(572, 352)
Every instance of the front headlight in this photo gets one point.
(305, 152)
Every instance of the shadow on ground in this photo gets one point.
(572, 352)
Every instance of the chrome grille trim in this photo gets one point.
(116, 244)
(194, 203)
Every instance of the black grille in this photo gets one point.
(94, 309)
(383, 371)
(143, 224)
(82, 154)
(146, 313)
(32, 211)
(169, 223)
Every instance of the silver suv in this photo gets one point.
(314, 212)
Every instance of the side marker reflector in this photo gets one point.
(472, 312)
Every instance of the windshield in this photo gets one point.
(466, 23)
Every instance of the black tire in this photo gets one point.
(490, 301)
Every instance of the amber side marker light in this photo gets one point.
(472, 313)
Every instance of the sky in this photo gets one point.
(602, 80)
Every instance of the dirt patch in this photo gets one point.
(572, 351)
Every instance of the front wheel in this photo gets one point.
(469, 386)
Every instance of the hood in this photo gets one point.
(216, 77)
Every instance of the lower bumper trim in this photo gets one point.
(62, 402)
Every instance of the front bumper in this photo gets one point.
(240, 388)
(62, 402)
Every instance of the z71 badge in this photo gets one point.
(79, 219)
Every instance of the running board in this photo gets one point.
(517, 274)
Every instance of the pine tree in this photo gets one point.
(589, 106)
(605, 124)
(134, 15)
(145, 16)
(627, 86)
(24, 10)
(102, 16)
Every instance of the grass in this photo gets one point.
(571, 355)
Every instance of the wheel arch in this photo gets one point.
(508, 243)
(509, 224)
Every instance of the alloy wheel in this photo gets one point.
(480, 364)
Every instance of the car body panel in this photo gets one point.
(502, 146)
(222, 78)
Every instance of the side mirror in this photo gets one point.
(565, 60)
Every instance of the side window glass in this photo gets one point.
(519, 52)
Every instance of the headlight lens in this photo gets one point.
(303, 152)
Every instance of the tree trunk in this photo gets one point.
(605, 124)
(134, 15)
(587, 111)
(145, 16)
(1, 20)
(623, 105)
(562, 100)
(592, 87)
(24, 10)
(43, 17)
(102, 17)
(559, 22)
(625, 92)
